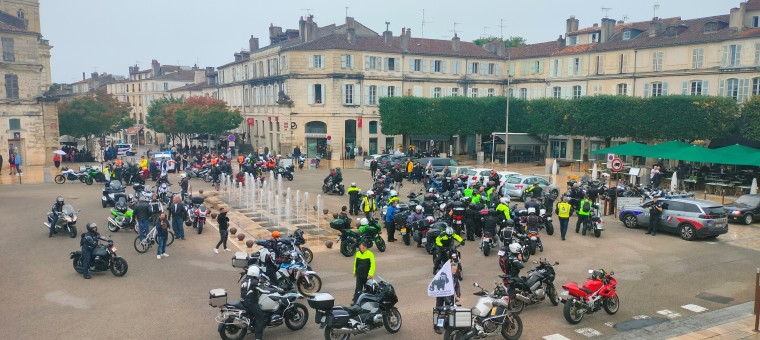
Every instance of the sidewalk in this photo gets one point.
(32, 175)
(735, 322)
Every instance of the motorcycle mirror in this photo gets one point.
(590, 271)
(556, 263)
(476, 284)
(612, 273)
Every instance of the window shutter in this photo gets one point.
(685, 88)
(738, 55)
(552, 69)
(570, 66)
(601, 65)
(512, 69)
(322, 58)
(524, 68)
(424, 66)
(724, 61)
(646, 90)
(482, 67)
(431, 92)
(757, 54)
(343, 61)
(366, 95)
(537, 93)
(343, 93)
(432, 67)
(357, 95)
(548, 92)
(379, 64)
(559, 68)
(443, 66)
(743, 89)
(383, 91)
(350, 61)
(541, 67)
(411, 65)
(311, 94)
(527, 93)
(565, 92)
(721, 87)
(498, 69)
(624, 61)
(705, 88)
(311, 61)
(583, 90)
(664, 88)
(366, 63)
(451, 91)
(533, 68)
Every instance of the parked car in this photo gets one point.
(165, 155)
(124, 149)
(369, 159)
(437, 163)
(689, 218)
(457, 171)
(504, 174)
(387, 162)
(744, 209)
(477, 175)
(517, 184)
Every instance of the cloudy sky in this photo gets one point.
(110, 35)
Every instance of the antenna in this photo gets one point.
(485, 33)
(655, 7)
(422, 31)
(606, 11)
(625, 17)
(501, 26)
(387, 25)
(308, 11)
(347, 11)
(455, 27)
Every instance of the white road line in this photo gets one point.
(669, 313)
(694, 308)
(641, 317)
(555, 337)
(588, 332)
(609, 324)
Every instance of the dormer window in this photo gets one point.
(627, 35)
(756, 21)
(21, 15)
(671, 31)
(595, 38)
(711, 27)
(573, 40)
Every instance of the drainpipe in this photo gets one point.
(635, 62)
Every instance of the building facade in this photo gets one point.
(28, 114)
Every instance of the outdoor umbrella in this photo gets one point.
(674, 182)
(753, 188)
(555, 171)
(737, 155)
(628, 149)
(663, 149)
(693, 153)
(59, 152)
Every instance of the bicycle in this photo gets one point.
(143, 246)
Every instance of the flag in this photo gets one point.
(442, 283)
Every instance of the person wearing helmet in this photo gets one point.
(533, 222)
(250, 290)
(364, 268)
(183, 183)
(513, 267)
(88, 242)
(536, 191)
(447, 237)
(394, 197)
(503, 207)
(272, 246)
(368, 205)
(55, 214)
(533, 203)
(491, 194)
(491, 221)
(354, 198)
(415, 216)
(472, 220)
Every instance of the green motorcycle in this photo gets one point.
(369, 234)
(121, 216)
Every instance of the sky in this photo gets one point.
(109, 35)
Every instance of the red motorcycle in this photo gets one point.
(597, 292)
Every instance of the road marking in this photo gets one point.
(641, 317)
(588, 332)
(694, 308)
(711, 242)
(669, 313)
(609, 324)
(555, 337)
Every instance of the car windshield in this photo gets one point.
(750, 201)
(68, 209)
(714, 211)
(513, 180)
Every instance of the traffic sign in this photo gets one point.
(250, 121)
(329, 138)
(616, 164)
(231, 138)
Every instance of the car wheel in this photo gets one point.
(747, 219)
(629, 221)
(687, 232)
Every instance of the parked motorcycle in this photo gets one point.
(374, 308)
(535, 287)
(103, 258)
(297, 241)
(596, 220)
(598, 292)
(487, 242)
(93, 175)
(68, 174)
(286, 172)
(112, 188)
(546, 220)
(370, 236)
(278, 307)
(121, 215)
(65, 221)
(490, 315)
(296, 274)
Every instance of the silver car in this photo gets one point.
(517, 184)
(690, 218)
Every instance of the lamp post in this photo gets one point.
(506, 126)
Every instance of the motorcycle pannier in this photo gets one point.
(217, 297)
(240, 260)
(461, 318)
(321, 301)
(338, 318)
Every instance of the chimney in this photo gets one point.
(455, 43)
(388, 38)
(238, 56)
(572, 24)
(608, 29)
(655, 26)
(404, 40)
(349, 22)
(302, 28)
(310, 28)
(501, 50)
(94, 75)
(156, 67)
(561, 41)
(84, 75)
(351, 35)
(736, 18)
(199, 76)
(253, 44)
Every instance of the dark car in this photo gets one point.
(437, 163)
(390, 161)
(689, 218)
(744, 209)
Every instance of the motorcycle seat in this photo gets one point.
(236, 303)
(352, 310)
(588, 291)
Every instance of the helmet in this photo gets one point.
(92, 227)
(394, 193)
(418, 208)
(442, 206)
(364, 221)
(431, 190)
(183, 175)
(430, 219)
(504, 200)
(353, 184)
(449, 231)
(515, 248)
(531, 210)
(275, 234)
(370, 192)
(254, 271)
(59, 200)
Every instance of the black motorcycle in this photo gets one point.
(286, 172)
(450, 253)
(103, 258)
(374, 308)
(112, 187)
(534, 288)
(333, 188)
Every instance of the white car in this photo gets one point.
(477, 175)
(165, 155)
(369, 159)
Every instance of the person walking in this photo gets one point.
(390, 224)
(372, 167)
(162, 233)
(655, 215)
(409, 169)
(178, 214)
(17, 160)
(364, 268)
(142, 213)
(223, 222)
(563, 211)
(584, 212)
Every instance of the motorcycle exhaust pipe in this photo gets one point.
(522, 298)
(343, 331)
(112, 221)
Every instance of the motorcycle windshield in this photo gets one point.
(115, 186)
(68, 210)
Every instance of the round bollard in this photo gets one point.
(329, 244)
(213, 215)
(325, 211)
(241, 237)
(249, 243)
(233, 230)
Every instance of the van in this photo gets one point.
(125, 149)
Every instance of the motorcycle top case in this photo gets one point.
(461, 318)
(240, 260)
(338, 224)
(321, 301)
(217, 297)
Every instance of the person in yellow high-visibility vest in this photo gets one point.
(563, 211)
(368, 204)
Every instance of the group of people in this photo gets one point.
(14, 162)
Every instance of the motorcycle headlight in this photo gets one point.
(68, 219)
(113, 249)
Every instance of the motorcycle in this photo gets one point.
(121, 215)
(596, 220)
(370, 236)
(198, 217)
(596, 293)
(508, 236)
(537, 286)
(286, 172)
(66, 220)
(68, 174)
(301, 161)
(278, 307)
(296, 274)
(374, 308)
(112, 188)
(103, 258)
(333, 188)
(296, 241)
(490, 315)
(546, 220)
(164, 195)
(487, 242)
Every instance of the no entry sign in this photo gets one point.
(617, 164)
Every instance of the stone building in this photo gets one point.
(96, 82)
(28, 114)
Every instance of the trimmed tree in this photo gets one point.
(750, 119)
(93, 115)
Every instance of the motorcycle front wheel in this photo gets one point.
(552, 293)
(572, 315)
(380, 244)
(60, 179)
(119, 267)
(429, 248)
(331, 335)
(72, 231)
(200, 227)
(227, 331)
(289, 177)
(308, 255)
(296, 317)
(392, 321)
(612, 305)
(512, 329)
(310, 288)
(88, 180)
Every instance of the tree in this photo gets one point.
(97, 114)
(194, 115)
(511, 42)
(750, 119)
(162, 117)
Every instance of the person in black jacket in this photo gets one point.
(89, 242)
(223, 222)
(249, 295)
(54, 215)
(372, 167)
(142, 212)
(178, 215)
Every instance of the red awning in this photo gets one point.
(133, 130)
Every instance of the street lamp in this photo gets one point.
(506, 125)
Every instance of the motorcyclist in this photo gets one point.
(271, 256)
(354, 198)
(417, 215)
(250, 290)
(533, 222)
(393, 197)
(503, 207)
(368, 205)
(536, 191)
(514, 265)
(533, 204)
(444, 242)
(472, 220)
(88, 242)
(183, 183)
(491, 221)
(583, 215)
(55, 214)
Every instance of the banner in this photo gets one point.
(443, 283)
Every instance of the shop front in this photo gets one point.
(316, 139)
